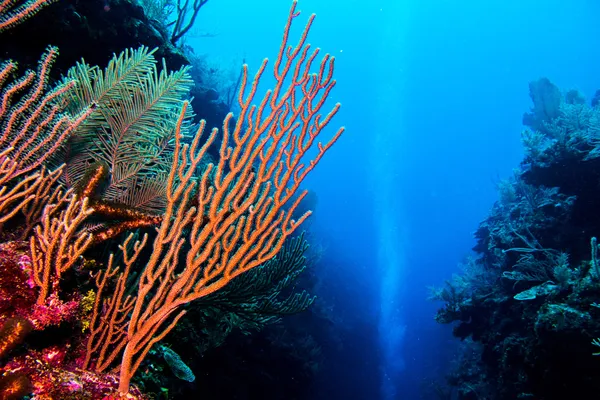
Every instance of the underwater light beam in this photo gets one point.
(385, 162)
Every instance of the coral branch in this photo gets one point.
(47, 192)
(242, 213)
(108, 330)
(56, 244)
(32, 129)
(11, 15)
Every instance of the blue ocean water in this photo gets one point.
(433, 93)
(432, 97)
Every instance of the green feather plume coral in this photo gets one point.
(266, 293)
(251, 301)
(132, 128)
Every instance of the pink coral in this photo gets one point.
(54, 312)
(17, 296)
(54, 355)
(74, 386)
(25, 265)
(51, 379)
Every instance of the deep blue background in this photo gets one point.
(433, 93)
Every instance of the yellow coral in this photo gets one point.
(87, 305)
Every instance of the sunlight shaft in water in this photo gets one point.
(386, 158)
(391, 321)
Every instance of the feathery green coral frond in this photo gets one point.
(97, 85)
(251, 301)
(261, 295)
(131, 129)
